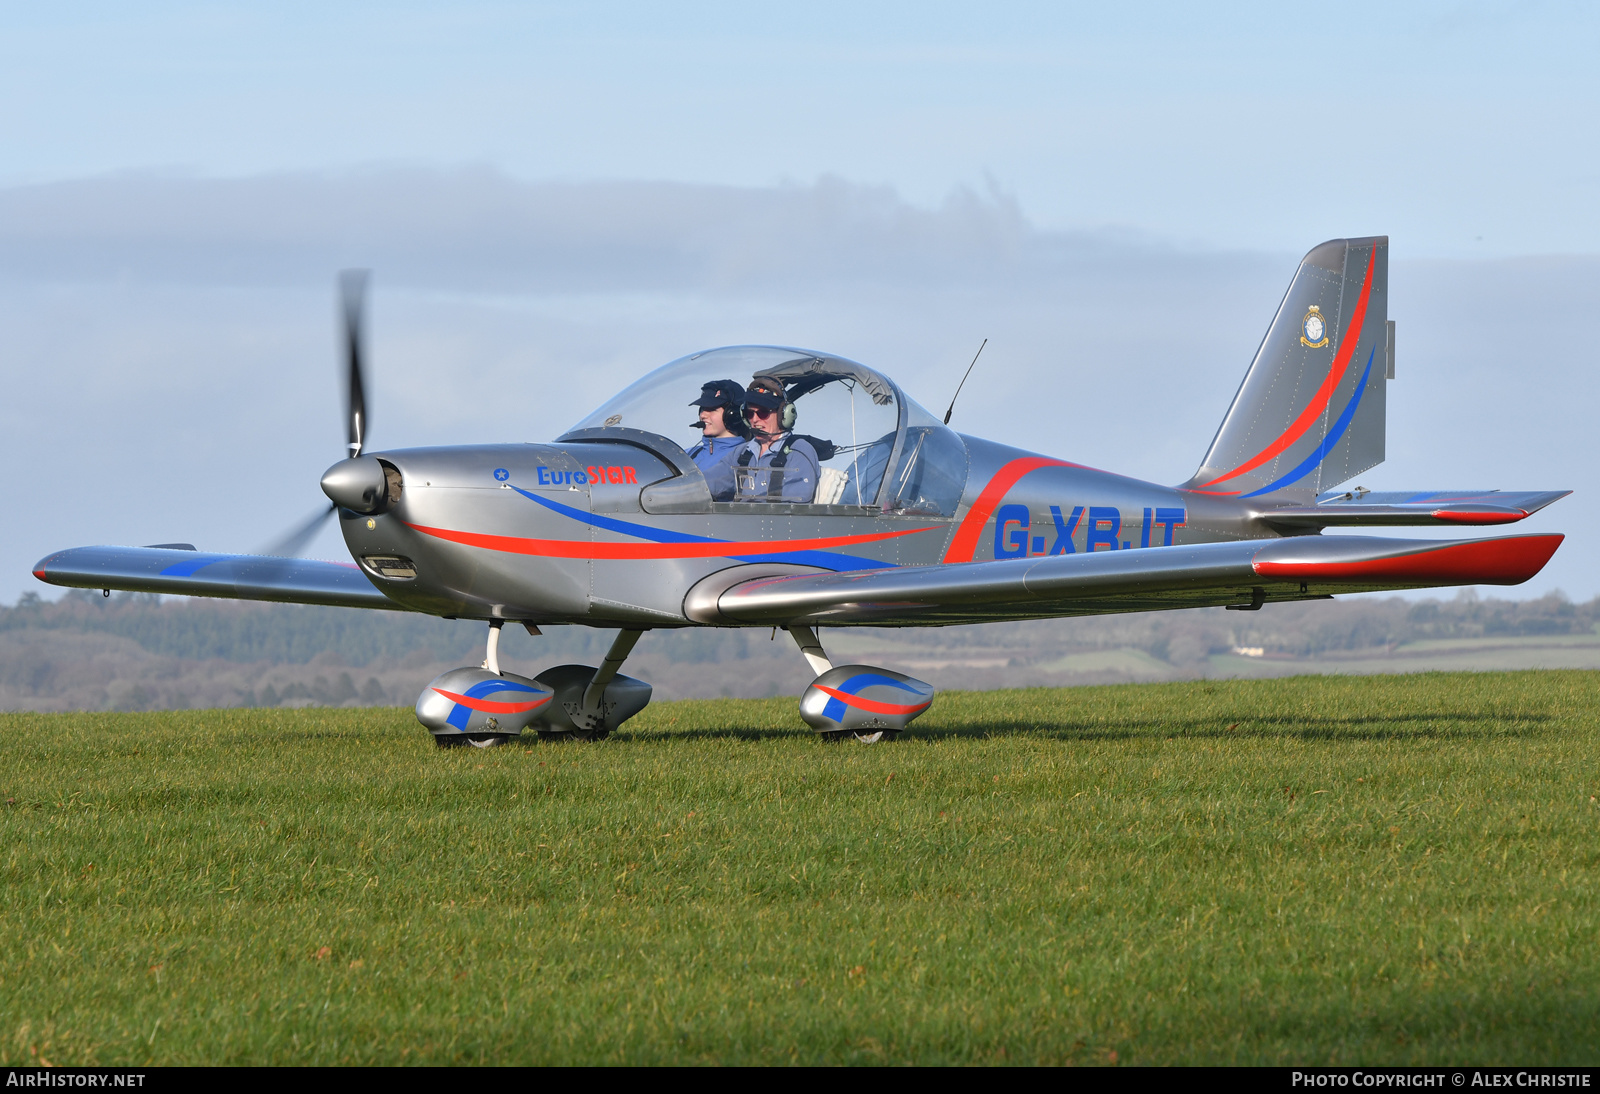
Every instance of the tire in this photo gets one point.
(471, 740)
(876, 736)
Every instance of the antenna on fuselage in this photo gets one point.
(963, 383)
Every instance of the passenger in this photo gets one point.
(776, 464)
(721, 406)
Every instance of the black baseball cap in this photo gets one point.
(719, 393)
(766, 393)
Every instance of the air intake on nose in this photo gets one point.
(391, 567)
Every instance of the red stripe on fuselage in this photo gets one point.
(578, 548)
(872, 706)
(490, 707)
(965, 542)
(1319, 402)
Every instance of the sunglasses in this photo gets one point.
(759, 412)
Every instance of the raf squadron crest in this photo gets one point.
(1314, 329)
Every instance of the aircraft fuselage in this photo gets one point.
(617, 534)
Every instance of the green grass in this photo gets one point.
(1312, 870)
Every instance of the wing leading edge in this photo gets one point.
(196, 573)
(1243, 574)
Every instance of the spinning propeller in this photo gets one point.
(353, 297)
(352, 310)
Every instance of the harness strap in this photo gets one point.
(779, 462)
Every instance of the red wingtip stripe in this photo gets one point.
(1509, 561)
(490, 707)
(872, 706)
(40, 575)
(1319, 401)
(1457, 517)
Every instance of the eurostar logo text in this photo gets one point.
(617, 476)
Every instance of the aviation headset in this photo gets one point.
(730, 397)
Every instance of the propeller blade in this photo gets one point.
(353, 294)
(297, 539)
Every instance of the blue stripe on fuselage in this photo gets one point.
(826, 559)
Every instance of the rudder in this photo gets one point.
(1310, 412)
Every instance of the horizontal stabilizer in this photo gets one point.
(194, 573)
(1414, 507)
(1151, 579)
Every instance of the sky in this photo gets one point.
(1463, 129)
(555, 199)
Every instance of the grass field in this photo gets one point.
(1311, 870)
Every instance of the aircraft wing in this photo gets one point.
(195, 573)
(1239, 574)
(1413, 507)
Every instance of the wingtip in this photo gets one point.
(1480, 515)
(1508, 561)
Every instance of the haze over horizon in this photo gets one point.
(1465, 129)
(555, 201)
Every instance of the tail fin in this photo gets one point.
(1310, 413)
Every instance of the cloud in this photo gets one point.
(480, 230)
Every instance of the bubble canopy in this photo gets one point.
(859, 410)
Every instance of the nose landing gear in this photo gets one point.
(590, 703)
(482, 707)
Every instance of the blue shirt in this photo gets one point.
(796, 477)
(710, 450)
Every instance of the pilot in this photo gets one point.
(775, 464)
(721, 406)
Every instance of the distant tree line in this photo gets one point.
(295, 634)
(136, 651)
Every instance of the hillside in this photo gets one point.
(140, 652)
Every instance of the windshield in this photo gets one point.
(858, 411)
(932, 469)
(853, 414)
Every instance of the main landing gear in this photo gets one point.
(857, 702)
(483, 707)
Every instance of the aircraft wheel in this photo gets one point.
(471, 740)
(876, 736)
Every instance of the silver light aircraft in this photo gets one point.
(907, 524)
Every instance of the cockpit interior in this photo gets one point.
(882, 451)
